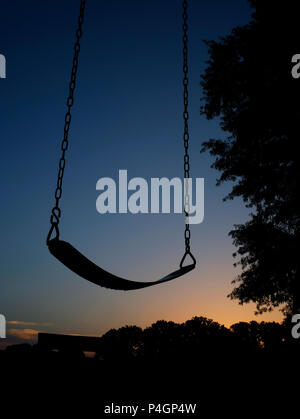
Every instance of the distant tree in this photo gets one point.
(121, 344)
(248, 85)
(268, 336)
(203, 328)
(162, 340)
(204, 336)
(273, 335)
(248, 334)
(187, 341)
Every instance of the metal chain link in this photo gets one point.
(186, 136)
(56, 211)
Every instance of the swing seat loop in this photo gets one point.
(54, 226)
(187, 253)
(54, 221)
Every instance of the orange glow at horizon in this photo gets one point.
(177, 302)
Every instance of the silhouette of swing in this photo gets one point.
(64, 251)
(82, 266)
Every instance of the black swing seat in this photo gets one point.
(82, 266)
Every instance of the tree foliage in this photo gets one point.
(196, 339)
(248, 84)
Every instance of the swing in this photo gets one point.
(64, 251)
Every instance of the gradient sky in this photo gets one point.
(127, 115)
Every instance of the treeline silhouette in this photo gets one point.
(166, 340)
(196, 339)
(196, 360)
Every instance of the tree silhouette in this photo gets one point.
(194, 342)
(121, 344)
(162, 340)
(248, 85)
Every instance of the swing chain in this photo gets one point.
(186, 136)
(56, 211)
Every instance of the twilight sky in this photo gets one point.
(127, 115)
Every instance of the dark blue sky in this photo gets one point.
(127, 115)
